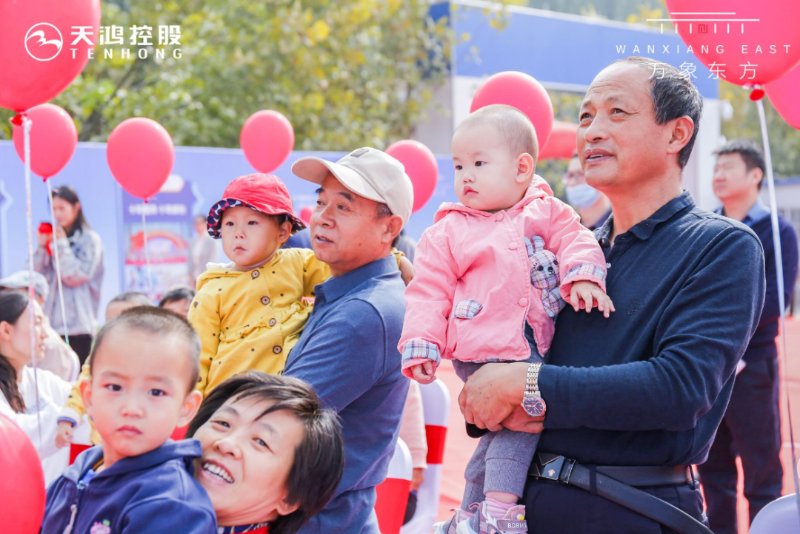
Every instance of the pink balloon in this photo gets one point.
(53, 139)
(22, 483)
(140, 154)
(749, 41)
(421, 167)
(562, 142)
(267, 139)
(783, 93)
(36, 48)
(521, 91)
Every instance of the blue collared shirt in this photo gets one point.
(649, 385)
(348, 352)
(758, 212)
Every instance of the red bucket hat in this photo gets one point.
(264, 193)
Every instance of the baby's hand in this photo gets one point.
(587, 295)
(64, 434)
(423, 372)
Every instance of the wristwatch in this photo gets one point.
(532, 401)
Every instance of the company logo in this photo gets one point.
(712, 30)
(43, 41)
(710, 22)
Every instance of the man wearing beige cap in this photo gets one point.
(348, 348)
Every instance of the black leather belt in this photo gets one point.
(615, 483)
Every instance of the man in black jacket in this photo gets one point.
(751, 428)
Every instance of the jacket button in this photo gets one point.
(273, 322)
(512, 246)
(255, 274)
(277, 349)
(523, 301)
(264, 300)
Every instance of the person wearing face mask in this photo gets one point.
(592, 205)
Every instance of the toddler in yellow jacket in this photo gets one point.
(250, 312)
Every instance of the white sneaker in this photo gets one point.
(449, 526)
(513, 522)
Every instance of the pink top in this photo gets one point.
(474, 279)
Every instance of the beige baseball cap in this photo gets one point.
(367, 172)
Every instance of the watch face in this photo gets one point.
(534, 406)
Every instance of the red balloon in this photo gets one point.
(783, 93)
(140, 154)
(53, 139)
(22, 483)
(305, 214)
(521, 91)
(562, 142)
(267, 139)
(421, 167)
(37, 61)
(763, 35)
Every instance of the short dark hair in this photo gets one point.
(383, 210)
(674, 95)
(749, 152)
(133, 297)
(319, 458)
(160, 323)
(177, 294)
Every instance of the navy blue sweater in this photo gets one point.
(763, 343)
(650, 385)
(154, 492)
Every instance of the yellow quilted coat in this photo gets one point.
(249, 320)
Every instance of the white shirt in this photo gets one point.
(39, 421)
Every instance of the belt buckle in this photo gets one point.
(553, 467)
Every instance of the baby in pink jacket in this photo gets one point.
(492, 274)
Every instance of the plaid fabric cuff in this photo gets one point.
(585, 271)
(420, 349)
(467, 309)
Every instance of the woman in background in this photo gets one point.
(31, 398)
(80, 254)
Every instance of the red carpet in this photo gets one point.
(459, 446)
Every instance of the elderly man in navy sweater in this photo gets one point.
(625, 405)
(751, 428)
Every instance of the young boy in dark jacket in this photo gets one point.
(144, 367)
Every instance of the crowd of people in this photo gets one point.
(599, 368)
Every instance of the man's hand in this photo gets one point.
(64, 434)
(417, 478)
(423, 373)
(520, 421)
(586, 295)
(406, 269)
(43, 239)
(492, 393)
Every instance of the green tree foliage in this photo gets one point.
(344, 73)
(784, 141)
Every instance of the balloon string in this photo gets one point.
(57, 263)
(148, 274)
(776, 243)
(26, 141)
